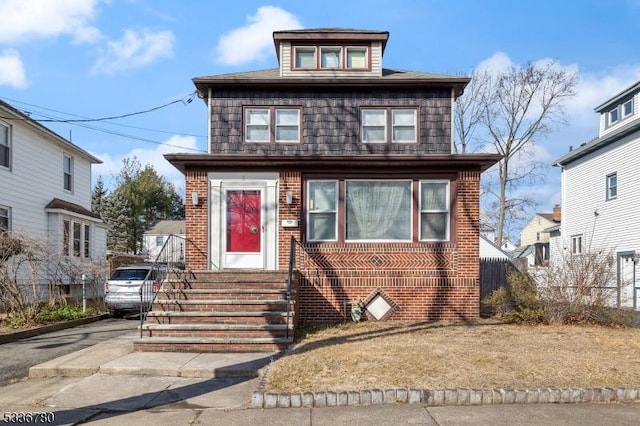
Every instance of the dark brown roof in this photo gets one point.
(548, 216)
(271, 78)
(410, 163)
(334, 34)
(57, 203)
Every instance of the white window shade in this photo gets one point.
(356, 57)
(287, 125)
(257, 125)
(404, 125)
(374, 125)
(330, 58)
(305, 57)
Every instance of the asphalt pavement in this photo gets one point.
(108, 383)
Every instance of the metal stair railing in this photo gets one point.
(170, 259)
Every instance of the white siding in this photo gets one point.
(603, 118)
(612, 224)
(36, 178)
(533, 232)
(488, 250)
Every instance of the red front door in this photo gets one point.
(244, 226)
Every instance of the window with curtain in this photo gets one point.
(305, 57)
(322, 210)
(434, 210)
(378, 210)
(356, 57)
(5, 146)
(77, 229)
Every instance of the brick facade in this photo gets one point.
(196, 220)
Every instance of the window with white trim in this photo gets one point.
(5, 219)
(378, 210)
(322, 210)
(576, 244)
(612, 186)
(76, 239)
(619, 112)
(383, 125)
(434, 210)
(5, 146)
(271, 124)
(67, 165)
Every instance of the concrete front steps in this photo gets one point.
(220, 311)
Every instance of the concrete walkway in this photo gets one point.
(108, 383)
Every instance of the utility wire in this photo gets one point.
(82, 122)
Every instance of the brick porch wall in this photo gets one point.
(196, 221)
(421, 281)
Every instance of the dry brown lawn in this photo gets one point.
(480, 355)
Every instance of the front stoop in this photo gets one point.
(220, 311)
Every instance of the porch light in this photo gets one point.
(194, 198)
(289, 197)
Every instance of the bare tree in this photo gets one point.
(470, 110)
(517, 107)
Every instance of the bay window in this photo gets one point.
(378, 210)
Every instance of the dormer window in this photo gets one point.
(331, 58)
(620, 112)
(305, 57)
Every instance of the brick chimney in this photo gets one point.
(556, 213)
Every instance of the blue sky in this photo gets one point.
(100, 58)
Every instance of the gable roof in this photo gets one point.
(12, 114)
(598, 143)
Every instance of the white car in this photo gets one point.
(124, 290)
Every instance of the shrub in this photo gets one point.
(59, 313)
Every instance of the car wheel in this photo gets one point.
(114, 313)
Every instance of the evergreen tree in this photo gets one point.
(97, 197)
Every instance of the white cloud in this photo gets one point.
(254, 41)
(495, 64)
(25, 20)
(594, 89)
(134, 50)
(12, 69)
(112, 165)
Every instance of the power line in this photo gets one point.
(84, 120)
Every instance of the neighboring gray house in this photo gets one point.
(45, 192)
(155, 238)
(601, 195)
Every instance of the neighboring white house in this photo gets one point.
(155, 238)
(601, 192)
(45, 191)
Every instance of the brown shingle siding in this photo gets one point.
(331, 121)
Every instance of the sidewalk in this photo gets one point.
(108, 383)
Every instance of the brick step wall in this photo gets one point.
(211, 311)
(218, 330)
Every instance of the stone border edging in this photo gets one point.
(436, 397)
(12, 337)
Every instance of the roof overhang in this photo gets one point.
(335, 163)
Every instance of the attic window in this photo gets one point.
(330, 57)
(619, 112)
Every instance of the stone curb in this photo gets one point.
(12, 337)
(441, 397)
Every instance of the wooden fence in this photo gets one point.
(493, 274)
